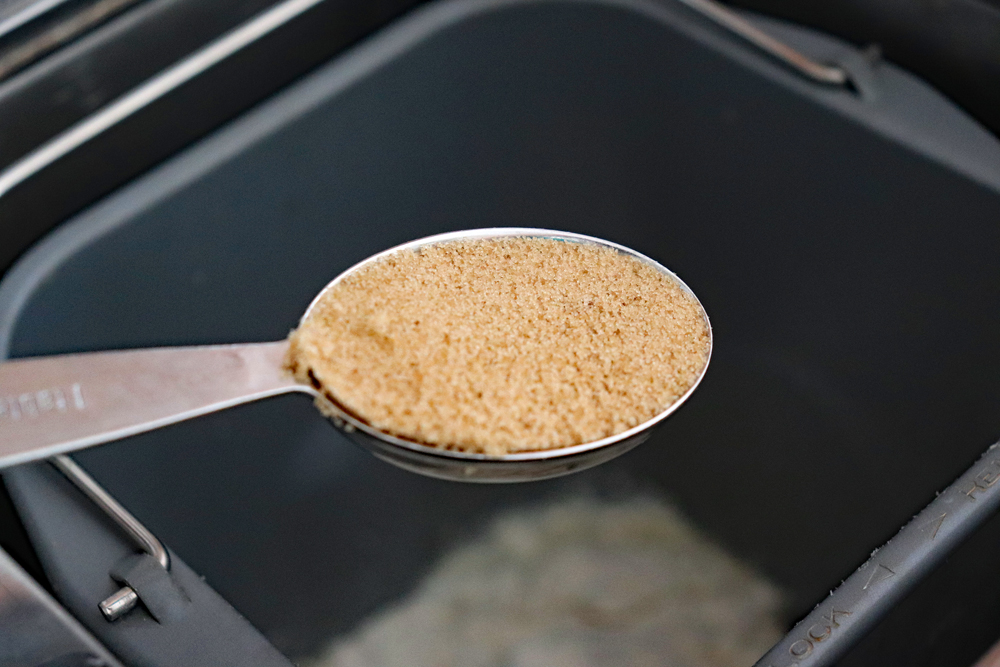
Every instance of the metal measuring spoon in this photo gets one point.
(54, 405)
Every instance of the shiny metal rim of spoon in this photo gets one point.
(467, 466)
(55, 405)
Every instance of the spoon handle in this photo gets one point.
(53, 405)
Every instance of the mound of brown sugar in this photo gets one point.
(503, 345)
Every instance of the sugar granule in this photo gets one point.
(503, 345)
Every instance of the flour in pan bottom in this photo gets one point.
(576, 583)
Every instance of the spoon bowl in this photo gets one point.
(517, 467)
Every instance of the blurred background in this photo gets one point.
(62, 60)
(192, 171)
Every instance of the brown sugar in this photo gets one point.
(503, 345)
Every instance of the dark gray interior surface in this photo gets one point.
(852, 284)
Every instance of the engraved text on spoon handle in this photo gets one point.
(53, 405)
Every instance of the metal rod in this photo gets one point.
(826, 74)
(125, 599)
(151, 90)
(58, 32)
(853, 609)
(27, 14)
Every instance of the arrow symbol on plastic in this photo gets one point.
(935, 524)
(881, 573)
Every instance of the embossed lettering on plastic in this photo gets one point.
(817, 633)
(984, 480)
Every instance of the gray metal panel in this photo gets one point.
(204, 631)
(35, 629)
